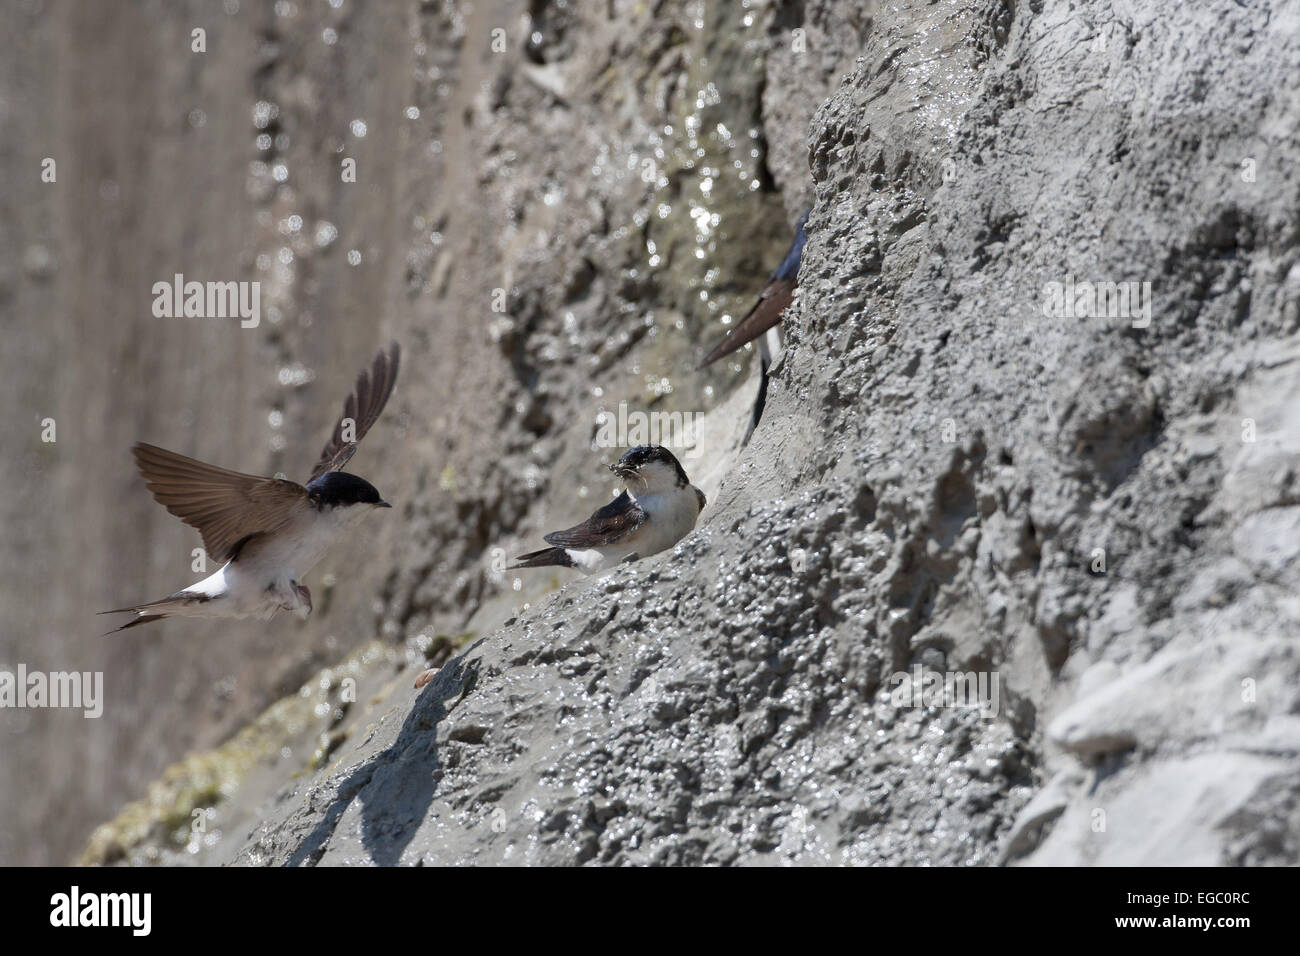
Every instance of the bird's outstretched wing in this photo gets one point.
(767, 311)
(360, 411)
(611, 523)
(772, 302)
(226, 507)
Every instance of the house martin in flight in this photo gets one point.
(268, 533)
(657, 508)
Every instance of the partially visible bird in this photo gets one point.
(657, 508)
(765, 314)
(267, 532)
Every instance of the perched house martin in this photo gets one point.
(267, 532)
(766, 313)
(657, 508)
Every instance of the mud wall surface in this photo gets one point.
(958, 471)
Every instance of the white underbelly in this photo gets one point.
(263, 578)
(295, 551)
(228, 592)
(671, 518)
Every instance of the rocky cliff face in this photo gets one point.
(967, 465)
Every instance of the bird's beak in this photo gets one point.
(382, 504)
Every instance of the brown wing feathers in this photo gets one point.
(227, 507)
(224, 506)
(767, 311)
(616, 520)
(362, 409)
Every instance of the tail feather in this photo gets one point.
(761, 400)
(180, 599)
(136, 607)
(142, 619)
(547, 557)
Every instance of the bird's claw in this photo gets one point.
(301, 604)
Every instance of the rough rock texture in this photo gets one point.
(474, 170)
(1099, 510)
(949, 476)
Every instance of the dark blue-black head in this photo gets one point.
(650, 465)
(336, 488)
